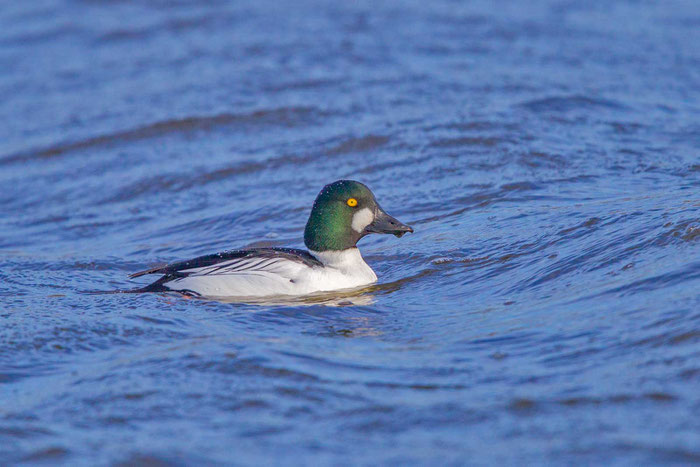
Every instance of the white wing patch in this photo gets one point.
(251, 265)
(362, 219)
(243, 277)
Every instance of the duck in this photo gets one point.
(343, 213)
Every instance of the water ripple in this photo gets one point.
(285, 116)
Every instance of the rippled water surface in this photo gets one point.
(547, 307)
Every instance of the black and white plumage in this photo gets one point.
(270, 266)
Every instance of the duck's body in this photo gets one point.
(343, 212)
(261, 272)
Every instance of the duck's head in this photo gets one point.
(343, 213)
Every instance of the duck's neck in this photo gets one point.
(347, 259)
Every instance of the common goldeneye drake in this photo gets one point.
(343, 213)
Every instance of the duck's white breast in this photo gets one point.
(342, 270)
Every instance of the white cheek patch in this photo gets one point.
(362, 219)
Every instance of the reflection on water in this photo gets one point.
(547, 154)
(361, 297)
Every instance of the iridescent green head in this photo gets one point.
(343, 213)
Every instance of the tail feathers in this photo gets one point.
(148, 271)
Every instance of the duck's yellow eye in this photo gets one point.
(352, 202)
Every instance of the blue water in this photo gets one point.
(546, 309)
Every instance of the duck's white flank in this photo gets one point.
(252, 277)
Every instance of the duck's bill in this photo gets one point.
(383, 223)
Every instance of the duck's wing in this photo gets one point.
(252, 261)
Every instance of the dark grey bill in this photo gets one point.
(383, 223)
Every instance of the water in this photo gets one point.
(545, 309)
